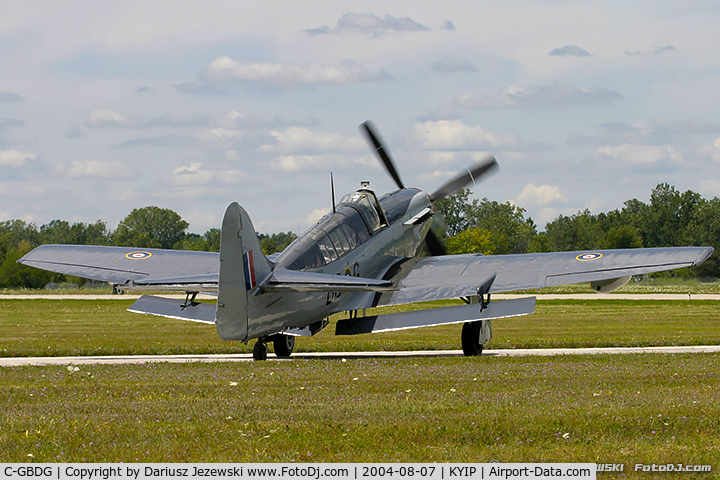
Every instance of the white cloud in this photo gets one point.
(302, 140)
(569, 50)
(196, 88)
(453, 65)
(316, 215)
(211, 135)
(307, 163)
(536, 97)
(14, 158)
(542, 195)
(368, 23)
(112, 119)
(225, 69)
(202, 221)
(710, 187)
(10, 97)
(643, 154)
(95, 169)
(456, 135)
(654, 51)
(712, 151)
(195, 174)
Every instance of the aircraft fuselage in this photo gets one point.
(352, 241)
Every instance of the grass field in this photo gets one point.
(104, 327)
(605, 409)
(648, 408)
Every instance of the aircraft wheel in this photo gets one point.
(260, 351)
(470, 339)
(284, 345)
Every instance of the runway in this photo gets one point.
(142, 359)
(498, 296)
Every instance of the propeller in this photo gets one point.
(433, 244)
(370, 132)
(462, 179)
(471, 175)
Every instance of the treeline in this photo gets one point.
(671, 218)
(148, 227)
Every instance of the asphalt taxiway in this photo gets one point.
(497, 296)
(246, 357)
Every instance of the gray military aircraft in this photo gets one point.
(363, 254)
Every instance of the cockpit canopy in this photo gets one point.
(357, 217)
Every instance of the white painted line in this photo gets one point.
(246, 357)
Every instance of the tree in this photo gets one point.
(623, 236)
(277, 242)
(511, 232)
(665, 222)
(15, 275)
(704, 229)
(61, 232)
(208, 242)
(472, 240)
(580, 231)
(455, 211)
(151, 227)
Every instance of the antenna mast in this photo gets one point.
(332, 188)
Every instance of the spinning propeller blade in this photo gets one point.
(471, 175)
(461, 180)
(434, 245)
(370, 132)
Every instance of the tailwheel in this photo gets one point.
(260, 350)
(470, 339)
(284, 345)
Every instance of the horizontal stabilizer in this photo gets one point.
(309, 330)
(292, 280)
(435, 316)
(174, 308)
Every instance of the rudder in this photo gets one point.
(242, 267)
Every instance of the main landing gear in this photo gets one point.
(472, 339)
(476, 334)
(283, 345)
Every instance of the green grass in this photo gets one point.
(648, 284)
(103, 327)
(647, 408)
(626, 408)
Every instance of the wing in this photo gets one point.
(133, 268)
(145, 269)
(451, 276)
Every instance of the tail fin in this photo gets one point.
(242, 267)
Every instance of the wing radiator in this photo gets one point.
(175, 308)
(435, 316)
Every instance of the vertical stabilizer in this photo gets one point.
(242, 267)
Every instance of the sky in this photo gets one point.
(110, 106)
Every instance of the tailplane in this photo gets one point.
(243, 267)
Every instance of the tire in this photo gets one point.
(284, 345)
(470, 339)
(260, 351)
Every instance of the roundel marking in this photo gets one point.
(586, 257)
(138, 255)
